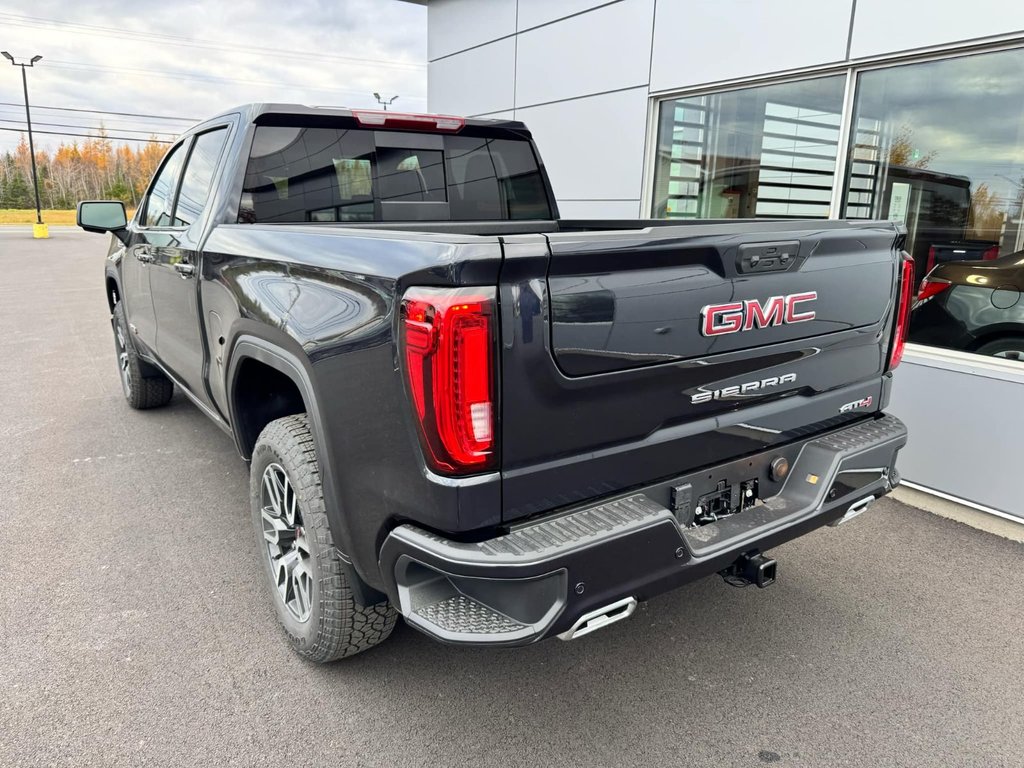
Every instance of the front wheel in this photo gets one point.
(141, 391)
(304, 570)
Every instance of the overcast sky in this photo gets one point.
(192, 59)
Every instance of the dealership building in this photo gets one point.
(910, 110)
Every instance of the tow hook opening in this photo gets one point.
(750, 568)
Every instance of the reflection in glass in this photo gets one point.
(198, 178)
(940, 146)
(161, 194)
(326, 175)
(765, 152)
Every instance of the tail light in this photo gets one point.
(899, 334)
(932, 286)
(383, 119)
(990, 253)
(931, 259)
(449, 346)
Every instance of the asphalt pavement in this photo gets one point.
(135, 630)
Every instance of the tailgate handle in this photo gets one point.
(767, 257)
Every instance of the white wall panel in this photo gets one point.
(599, 209)
(964, 427)
(883, 26)
(601, 50)
(454, 25)
(534, 12)
(593, 147)
(505, 114)
(473, 82)
(704, 41)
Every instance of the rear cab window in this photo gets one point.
(310, 171)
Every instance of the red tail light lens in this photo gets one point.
(932, 287)
(449, 347)
(931, 260)
(899, 335)
(990, 253)
(383, 119)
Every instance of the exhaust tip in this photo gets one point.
(600, 618)
(855, 509)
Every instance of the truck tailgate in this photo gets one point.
(635, 355)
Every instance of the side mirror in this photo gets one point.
(103, 216)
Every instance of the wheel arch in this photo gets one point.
(255, 351)
(112, 289)
(997, 333)
(250, 356)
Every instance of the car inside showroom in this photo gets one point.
(855, 109)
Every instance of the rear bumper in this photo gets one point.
(544, 577)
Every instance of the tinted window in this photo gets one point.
(338, 175)
(198, 177)
(494, 179)
(308, 174)
(161, 194)
(410, 175)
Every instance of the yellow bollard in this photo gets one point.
(40, 231)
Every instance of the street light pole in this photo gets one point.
(31, 145)
(385, 102)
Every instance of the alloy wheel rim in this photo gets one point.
(287, 542)
(1010, 354)
(122, 361)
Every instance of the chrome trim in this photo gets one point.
(854, 510)
(601, 618)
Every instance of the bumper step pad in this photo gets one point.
(460, 614)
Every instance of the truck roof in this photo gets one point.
(252, 111)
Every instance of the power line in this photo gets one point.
(178, 75)
(103, 112)
(94, 128)
(111, 124)
(89, 136)
(92, 29)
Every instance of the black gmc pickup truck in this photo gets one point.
(501, 424)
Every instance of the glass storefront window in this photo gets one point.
(939, 145)
(763, 152)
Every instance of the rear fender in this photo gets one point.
(297, 368)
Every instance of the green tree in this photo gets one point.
(16, 193)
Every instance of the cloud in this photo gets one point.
(194, 59)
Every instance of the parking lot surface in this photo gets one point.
(135, 630)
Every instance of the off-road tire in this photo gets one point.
(143, 386)
(337, 626)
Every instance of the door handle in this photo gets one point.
(185, 270)
(143, 255)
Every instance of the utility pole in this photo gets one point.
(39, 230)
(385, 102)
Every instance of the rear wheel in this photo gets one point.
(305, 572)
(142, 390)
(1009, 348)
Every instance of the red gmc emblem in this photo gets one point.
(720, 319)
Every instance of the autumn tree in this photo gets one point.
(986, 216)
(96, 168)
(902, 151)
